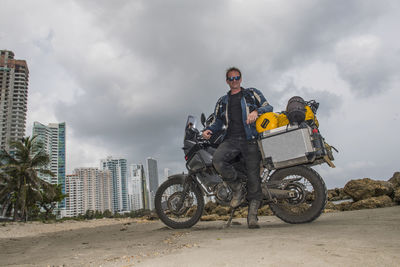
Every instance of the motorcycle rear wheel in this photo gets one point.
(311, 191)
(169, 194)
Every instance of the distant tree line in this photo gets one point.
(91, 214)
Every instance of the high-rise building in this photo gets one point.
(105, 190)
(88, 177)
(14, 76)
(52, 138)
(137, 193)
(73, 188)
(167, 173)
(152, 175)
(118, 169)
(96, 189)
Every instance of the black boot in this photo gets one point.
(237, 196)
(252, 220)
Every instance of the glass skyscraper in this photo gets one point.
(52, 137)
(152, 175)
(118, 169)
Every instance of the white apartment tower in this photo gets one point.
(73, 188)
(14, 77)
(96, 189)
(135, 194)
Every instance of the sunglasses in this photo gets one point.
(236, 78)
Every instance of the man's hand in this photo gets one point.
(207, 134)
(252, 117)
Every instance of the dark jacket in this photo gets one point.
(252, 100)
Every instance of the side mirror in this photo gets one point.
(203, 119)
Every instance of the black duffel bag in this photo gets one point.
(296, 110)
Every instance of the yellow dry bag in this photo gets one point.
(267, 121)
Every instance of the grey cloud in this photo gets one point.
(182, 49)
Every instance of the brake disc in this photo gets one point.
(173, 202)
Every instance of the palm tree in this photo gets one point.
(20, 184)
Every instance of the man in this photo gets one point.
(237, 111)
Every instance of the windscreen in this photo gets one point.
(190, 128)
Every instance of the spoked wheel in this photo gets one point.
(309, 195)
(175, 208)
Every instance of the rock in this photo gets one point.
(330, 205)
(337, 194)
(396, 196)
(264, 211)
(242, 213)
(191, 211)
(333, 193)
(395, 180)
(210, 206)
(373, 202)
(212, 217)
(329, 210)
(150, 217)
(344, 206)
(343, 195)
(367, 188)
(223, 218)
(221, 210)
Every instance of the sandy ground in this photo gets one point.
(353, 238)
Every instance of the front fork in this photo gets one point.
(187, 183)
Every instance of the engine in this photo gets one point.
(223, 193)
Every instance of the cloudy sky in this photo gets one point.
(124, 75)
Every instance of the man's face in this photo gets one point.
(232, 81)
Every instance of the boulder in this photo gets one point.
(212, 217)
(221, 210)
(396, 196)
(372, 203)
(191, 211)
(210, 206)
(223, 218)
(332, 193)
(330, 207)
(344, 206)
(264, 211)
(367, 188)
(395, 180)
(337, 194)
(242, 212)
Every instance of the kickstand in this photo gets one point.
(228, 224)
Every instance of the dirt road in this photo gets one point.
(354, 238)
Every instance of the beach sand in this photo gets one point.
(352, 238)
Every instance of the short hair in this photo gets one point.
(232, 69)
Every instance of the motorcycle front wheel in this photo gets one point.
(310, 191)
(168, 202)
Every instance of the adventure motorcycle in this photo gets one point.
(295, 192)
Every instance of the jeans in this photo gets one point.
(227, 152)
